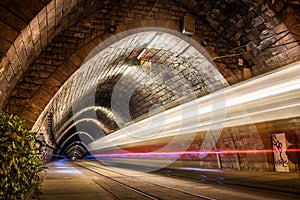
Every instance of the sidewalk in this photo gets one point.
(64, 181)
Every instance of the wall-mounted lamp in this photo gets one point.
(205, 42)
(112, 29)
(188, 25)
(141, 54)
(147, 65)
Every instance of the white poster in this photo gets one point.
(280, 158)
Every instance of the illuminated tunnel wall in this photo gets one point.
(108, 94)
(45, 43)
(181, 71)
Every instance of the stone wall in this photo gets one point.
(50, 42)
(248, 137)
(49, 51)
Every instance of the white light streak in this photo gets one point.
(266, 98)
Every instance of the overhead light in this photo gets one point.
(141, 54)
(240, 62)
(147, 65)
(188, 25)
(204, 42)
(112, 29)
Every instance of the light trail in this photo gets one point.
(270, 97)
(189, 153)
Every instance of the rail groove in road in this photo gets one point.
(238, 182)
(175, 192)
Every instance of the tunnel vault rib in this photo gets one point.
(107, 82)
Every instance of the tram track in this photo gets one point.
(149, 194)
(119, 183)
(234, 182)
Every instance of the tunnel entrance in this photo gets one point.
(129, 77)
(145, 75)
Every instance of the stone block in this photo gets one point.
(293, 52)
(267, 33)
(70, 65)
(3, 100)
(36, 109)
(7, 32)
(280, 28)
(42, 15)
(65, 72)
(38, 101)
(24, 93)
(76, 60)
(4, 45)
(290, 40)
(38, 47)
(267, 14)
(282, 57)
(43, 28)
(9, 85)
(272, 62)
(30, 55)
(44, 94)
(50, 6)
(34, 23)
(27, 39)
(19, 101)
(50, 34)
(254, 34)
(258, 59)
(35, 32)
(29, 116)
(58, 16)
(59, 4)
(291, 20)
(45, 58)
(11, 54)
(4, 81)
(277, 50)
(20, 48)
(81, 54)
(274, 21)
(286, 62)
(53, 82)
(44, 41)
(56, 62)
(14, 109)
(43, 74)
(14, 21)
(9, 73)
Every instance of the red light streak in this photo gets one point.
(187, 153)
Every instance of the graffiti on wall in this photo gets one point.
(280, 156)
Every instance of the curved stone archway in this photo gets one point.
(119, 57)
(56, 42)
(51, 40)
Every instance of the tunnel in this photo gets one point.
(156, 85)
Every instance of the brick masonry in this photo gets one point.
(46, 43)
(49, 65)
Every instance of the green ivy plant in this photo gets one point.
(19, 158)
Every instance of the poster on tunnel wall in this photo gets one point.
(281, 160)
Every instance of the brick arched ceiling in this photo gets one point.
(15, 16)
(112, 88)
(45, 42)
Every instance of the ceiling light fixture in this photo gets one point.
(141, 54)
